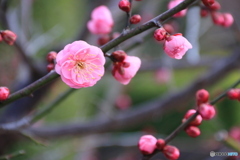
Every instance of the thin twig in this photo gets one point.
(129, 14)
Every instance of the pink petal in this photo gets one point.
(101, 22)
(130, 72)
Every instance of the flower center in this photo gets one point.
(81, 65)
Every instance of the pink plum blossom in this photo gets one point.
(126, 70)
(101, 22)
(147, 144)
(173, 4)
(176, 46)
(80, 64)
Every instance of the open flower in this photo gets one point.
(125, 69)
(80, 64)
(101, 22)
(176, 46)
(173, 4)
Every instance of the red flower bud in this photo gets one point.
(51, 56)
(208, 2)
(215, 6)
(202, 96)
(119, 56)
(204, 12)
(9, 37)
(193, 131)
(217, 18)
(124, 5)
(4, 93)
(50, 67)
(197, 121)
(228, 20)
(233, 94)
(207, 111)
(160, 34)
(171, 152)
(135, 19)
(160, 144)
(103, 39)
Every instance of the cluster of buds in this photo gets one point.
(51, 56)
(4, 93)
(218, 18)
(8, 37)
(125, 6)
(204, 110)
(175, 46)
(234, 94)
(148, 144)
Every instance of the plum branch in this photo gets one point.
(124, 36)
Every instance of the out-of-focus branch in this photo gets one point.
(142, 113)
(124, 36)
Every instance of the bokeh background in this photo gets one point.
(43, 26)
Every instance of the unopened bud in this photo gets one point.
(233, 94)
(193, 131)
(135, 19)
(204, 12)
(147, 144)
(50, 67)
(196, 122)
(228, 20)
(208, 2)
(124, 5)
(160, 144)
(118, 56)
(215, 6)
(202, 96)
(51, 56)
(103, 39)
(207, 111)
(171, 152)
(217, 18)
(4, 93)
(8, 36)
(160, 34)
